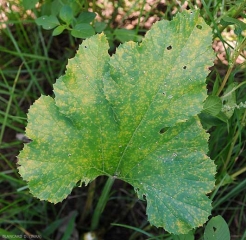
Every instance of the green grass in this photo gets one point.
(32, 59)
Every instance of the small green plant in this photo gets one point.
(217, 229)
(73, 16)
(78, 18)
(70, 16)
(132, 116)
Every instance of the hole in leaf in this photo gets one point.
(169, 47)
(23, 138)
(199, 26)
(184, 67)
(163, 130)
(85, 46)
(214, 228)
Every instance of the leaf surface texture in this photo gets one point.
(132, 116)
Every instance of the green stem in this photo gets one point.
(94, 6)
(101, 203)
(234, 175)
(86, 5)
(236, 54)
(89, 202)
(225, 80)
(233, 90)
(139, 18)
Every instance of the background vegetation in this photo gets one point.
(32, 58)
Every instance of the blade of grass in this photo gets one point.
(235, 138)
(241, 186)
(101, 203)
(133, 228)
(23, 60)
(9, 104)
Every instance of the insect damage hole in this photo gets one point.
(199, 26)
(169, 47)
(163, 130)
(184, 67)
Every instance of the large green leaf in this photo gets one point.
(132, 116)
